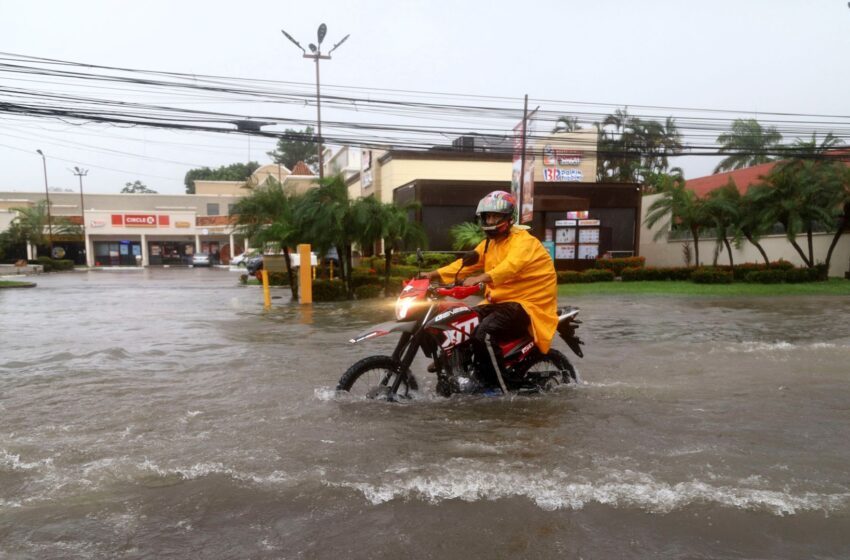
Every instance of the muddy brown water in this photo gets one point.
(164, 413)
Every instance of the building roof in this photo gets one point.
(302, 168)
(744, 178)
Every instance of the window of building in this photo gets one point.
(230, 209)
(212, 209)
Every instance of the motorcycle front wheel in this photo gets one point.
(373, 378)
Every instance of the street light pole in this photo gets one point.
(47, 195)
(316, 55)
(82, 173)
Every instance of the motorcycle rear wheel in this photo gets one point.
(373, 378)
(548, 371)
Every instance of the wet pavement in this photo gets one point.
(164, 413)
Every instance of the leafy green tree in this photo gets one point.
(137, 187)
(232, 172)
(376, 221)
(466, 235)
(747, 144)
(842, 184)
(722, 210)
(567, 124)
(295, 146)
(268, 215)
(326, 219)
(753, 222)
(680, 208)
(631, 149)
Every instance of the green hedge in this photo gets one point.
(329, 290)
(586, 277)
(51, 265)
(617, 265)
(432, 260)
(766, 277)
(711, 276)
(636, 274)
(368, 291)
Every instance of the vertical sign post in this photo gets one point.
(305, 274)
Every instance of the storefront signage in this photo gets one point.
(559, 156)
(588, 222)
(182, 224)
(565, 222)
(97, 223)
(137, 220)
(140, 220)
(557, 175)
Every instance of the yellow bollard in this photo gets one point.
(332, 270)
(266, 296)
(305, 282)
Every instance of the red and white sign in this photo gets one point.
(140, 220)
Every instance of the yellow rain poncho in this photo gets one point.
(522, 272)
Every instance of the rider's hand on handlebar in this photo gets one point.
(477, 279)
(429, 275)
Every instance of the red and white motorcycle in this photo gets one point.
(435, 320)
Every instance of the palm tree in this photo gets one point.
(466, 235)
(802, 191)
(30, 222)
(326, 219)
(753, 222)
(376, 221)
(747, 144)
(267, 215)
(679, 206)
(722, 211)
(842, 177)
(566, 124)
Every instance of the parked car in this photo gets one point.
(254, 264)
(242, 260)
(201, 259)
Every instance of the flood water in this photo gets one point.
(165, 414)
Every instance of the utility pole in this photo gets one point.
(82, 173)
(316, 55)
(47, 195)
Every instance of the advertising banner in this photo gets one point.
(568, 157)
(522, 186)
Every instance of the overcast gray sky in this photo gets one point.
(755, 56)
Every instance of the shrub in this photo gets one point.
(617, 265)
(329, 290)
(243, 279)
(51, 265)
(820, 273)
(359, 279)
(590, 275)
(395, 285)
(405, 271)
(711, 276)
(635, 274)
(798, 275)
(599, 275)
(368, 291)
(279, 279)
(432, 260)
(766, 276)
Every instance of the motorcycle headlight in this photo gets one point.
(402, 307)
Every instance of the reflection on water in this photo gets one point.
(165, 413)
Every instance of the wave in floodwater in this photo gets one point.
(625, 489)
(782, 346)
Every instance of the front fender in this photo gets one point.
(384, 329)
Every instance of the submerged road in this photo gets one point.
(164, 413)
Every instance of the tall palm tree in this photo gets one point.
(326, 218)
(747, 144)
(268, 215)
(841, 174)
(566, 124)
(722, 211)
(753, 222)
(678, 206)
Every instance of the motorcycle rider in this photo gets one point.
(521, 291)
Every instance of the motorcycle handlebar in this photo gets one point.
(458, 292)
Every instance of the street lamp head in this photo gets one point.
(323, 30)
(335, 47)
(291, 38)
(40, 152)
(313, 48)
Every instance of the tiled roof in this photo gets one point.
(743, 178)
(301, 168)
